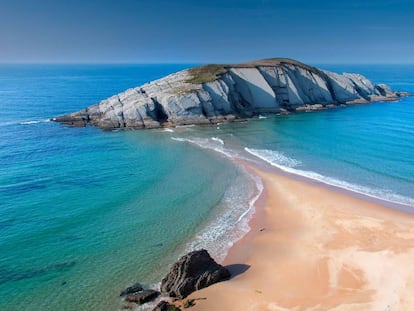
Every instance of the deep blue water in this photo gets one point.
(84, 213)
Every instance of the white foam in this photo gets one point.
(212, 144)
(235, 209)
(288, 165)
(178, 139)
(218, 140)
(274, 157)
(185, 126)
(29, 122)
(232, 221)
(168, 130)
(259, 187)
(262, 117)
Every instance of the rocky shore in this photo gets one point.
(215, 93)
(194, 271)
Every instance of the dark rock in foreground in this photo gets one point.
(165, 306)
(213, 93)
(142, 296)
(137, 287)
(192, 272)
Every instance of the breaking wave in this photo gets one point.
(290, 165)
(230, 222)
(30, 122)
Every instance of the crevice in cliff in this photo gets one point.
(330, 87)
(274, 85)
(242, 105)
(203, 108)
(360, 91)
(158, 113)
(122, 120)
(232, 95)
(293, 99)
(141, 117)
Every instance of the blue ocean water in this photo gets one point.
(85, 213)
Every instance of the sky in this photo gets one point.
(213, 31)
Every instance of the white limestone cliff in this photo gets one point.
(213, 93)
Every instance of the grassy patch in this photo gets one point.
(206, 73)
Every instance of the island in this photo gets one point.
(215, 93)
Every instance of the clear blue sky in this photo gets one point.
(161, 31)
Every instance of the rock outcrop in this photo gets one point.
(192, 272)
(165, 306)
(213, 93)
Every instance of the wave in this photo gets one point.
(231, 222)
(218, 140)
(289, 165)
(168, 130)
(185, 126)
(214, 143)
(23, 122)
(30, 122)
(274, 157)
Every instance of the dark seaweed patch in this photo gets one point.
(12, 276)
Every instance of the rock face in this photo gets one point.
(192, 272)
(213, 93)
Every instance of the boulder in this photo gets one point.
(142, 296)
(192, 272)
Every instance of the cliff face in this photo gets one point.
(213, 93)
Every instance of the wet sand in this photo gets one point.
(311, 248)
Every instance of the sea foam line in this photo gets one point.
(218, 140)
(286, 164)
(238, 202)
(219, 235)
(29, 122)
(260, 188)
(214, 144)
(23, 122)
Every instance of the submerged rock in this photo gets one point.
(142, 296)
(137, 287)
(165, 306)
(213, 93)
(192, 272)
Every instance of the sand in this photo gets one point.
(312, 248)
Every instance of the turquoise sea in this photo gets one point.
(85, 213)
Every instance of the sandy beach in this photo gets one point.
(311, 248)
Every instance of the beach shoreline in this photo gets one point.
(316, 247)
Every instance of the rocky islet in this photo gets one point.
(215, 93)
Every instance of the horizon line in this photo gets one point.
(192, 63)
